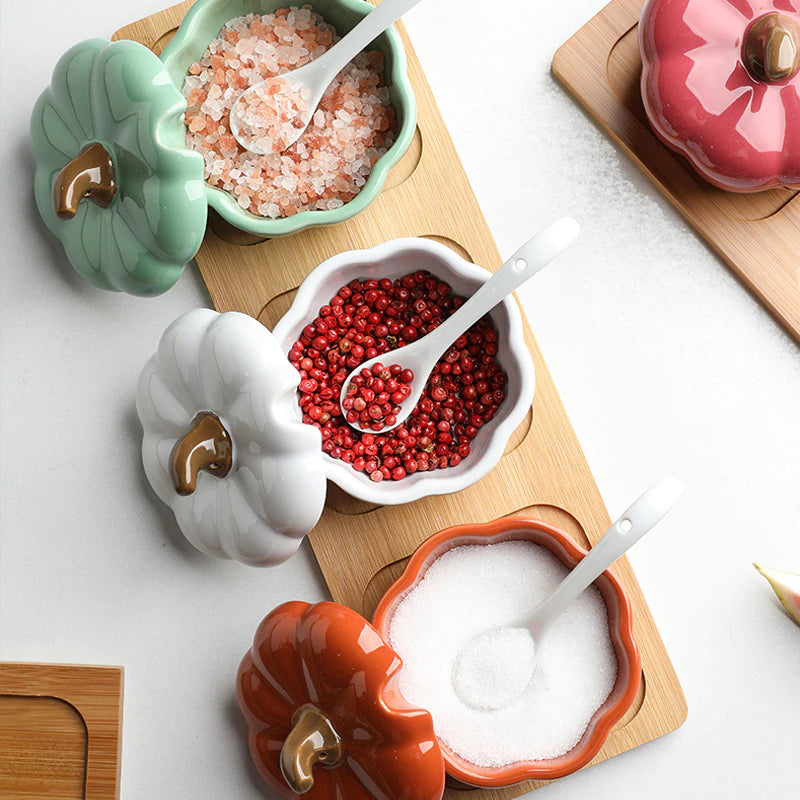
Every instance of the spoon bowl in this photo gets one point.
(511, 650)
(421, 356)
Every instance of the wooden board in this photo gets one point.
(361, 547)
(757, 235)
(60, 732)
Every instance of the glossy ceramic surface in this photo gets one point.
(203, 23)
(329, 658)
(620, 628)
(118, 94)
(740, 132)
(393, 259)
(231, 365)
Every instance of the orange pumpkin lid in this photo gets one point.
(325, 718)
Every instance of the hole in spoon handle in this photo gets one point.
(523, 265)
(642, 515)
(650, 507)
(542, 248)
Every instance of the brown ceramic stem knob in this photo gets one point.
(90, 174)
(311, 741)
(206, 446)
(772, 47)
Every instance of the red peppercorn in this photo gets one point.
(308, 386)
(438, 394)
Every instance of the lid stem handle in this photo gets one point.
(205, 446)
(90, 174)
(311, 741)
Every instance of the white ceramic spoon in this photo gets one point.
(304, 87)
(515, 646)
(421, 356)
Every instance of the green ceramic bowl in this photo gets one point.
(203, 23)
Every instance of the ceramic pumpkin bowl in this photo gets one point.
(308, 687)
(721, 85)
(203, 23)
(325, 719)
(115, 180)
(620, 627)
(394, 259)
(225, 445)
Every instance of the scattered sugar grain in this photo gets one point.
(471, 589)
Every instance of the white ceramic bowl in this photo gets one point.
(391, 260)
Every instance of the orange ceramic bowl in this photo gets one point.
(629, 666)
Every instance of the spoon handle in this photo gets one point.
(535, 254)
(641, 517)
(370, 27)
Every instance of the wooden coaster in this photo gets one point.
(361, 547)
(757, 235)
(60, 732)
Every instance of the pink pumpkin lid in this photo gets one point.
(721, 85)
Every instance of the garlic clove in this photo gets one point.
(786, 586)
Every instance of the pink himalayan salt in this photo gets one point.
(270, 115)
(353, 126)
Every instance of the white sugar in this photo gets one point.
(471, 589)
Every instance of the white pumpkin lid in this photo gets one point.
(223, 446)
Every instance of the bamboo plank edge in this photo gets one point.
(96, 694)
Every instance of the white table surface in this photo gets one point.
(665, 363)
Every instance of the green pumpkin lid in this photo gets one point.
(114, 180)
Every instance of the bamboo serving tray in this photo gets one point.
(757, 235)
(361, 548)
(60, 732)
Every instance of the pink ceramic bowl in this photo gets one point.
(620, 625)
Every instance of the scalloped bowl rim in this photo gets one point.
(609, 712)
(304, 308)
(224, 203)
